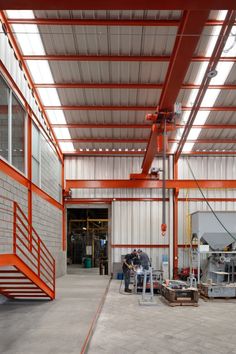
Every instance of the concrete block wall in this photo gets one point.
(11, 189)
(50, 170)
(47, 221)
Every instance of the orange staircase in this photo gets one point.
(27, 269)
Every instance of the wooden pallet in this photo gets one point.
(179, 303)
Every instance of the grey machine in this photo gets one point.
(213, 249)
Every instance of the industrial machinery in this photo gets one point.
(138, 281)
(213, 248)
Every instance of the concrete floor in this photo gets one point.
(125, 327)
(55, 327)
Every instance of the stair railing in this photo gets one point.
(27, 244)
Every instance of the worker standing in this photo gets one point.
(127, 267)
(144, 259)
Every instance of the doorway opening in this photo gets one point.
(87, 237)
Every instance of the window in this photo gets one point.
(18, 135)
(35, 155)
(4, 129)
(12, 128)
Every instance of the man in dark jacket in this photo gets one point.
(144, 259)
(127, 267)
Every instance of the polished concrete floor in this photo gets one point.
(125, 327)
(53, 327)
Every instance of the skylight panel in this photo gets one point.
(223, 70)
(62, 133)
(40, 71)
(20, 14)
(188, 147)
(201, 117)
(49, 96)
(210, 98)
(230, 46)
(194, 133)
(68, 147)
(56, 117)
(31, 43)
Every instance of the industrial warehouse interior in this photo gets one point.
(117, 177)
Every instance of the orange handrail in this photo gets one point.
(27, 244)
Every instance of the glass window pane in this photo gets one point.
(35, 171)
(35, 142)
(18, 135)
(4, 97)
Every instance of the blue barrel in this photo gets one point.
(120, 276)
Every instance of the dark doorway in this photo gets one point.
(87, 237)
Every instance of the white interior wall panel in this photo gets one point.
(138, 223)
(208, 167)
(104, 167)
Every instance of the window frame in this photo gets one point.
(9, 121)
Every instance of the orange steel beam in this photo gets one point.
(19, 56)
(188, 35)
(170, 184)
(131, 108)
(216, 54)
(29, 175)
(137, 126)
(189, 31)
(17, 176)
(144, 141)
(110, 200)
(102, 22)
(175, 234)
(106, 152)
(81, 85)
(114, 58)
(63, 210)
(175, 222)
(120, 5)
(151, 150)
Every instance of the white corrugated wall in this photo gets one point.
(107, 168)
(138, 223)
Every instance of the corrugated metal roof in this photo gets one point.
(109, 72)
(102, 14)
(102, 117)
(108, 133)
(214, 147)
(120, 97)
(221, 118)
(130, 41)
(103, 40)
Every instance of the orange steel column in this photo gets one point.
(175, 225)
(63, 210)
(29, 175)
(14, 226)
